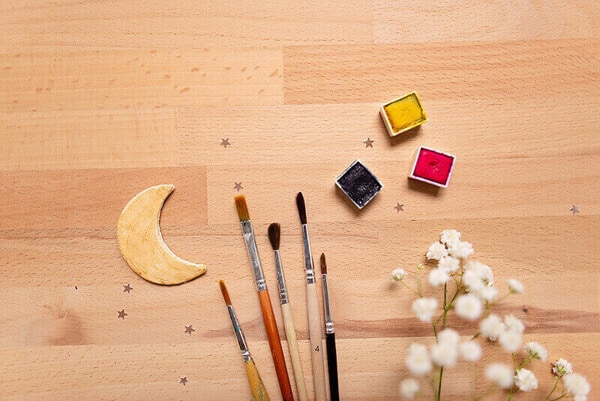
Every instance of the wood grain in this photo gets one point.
(100, 100)
(501, 71)
(444, 21)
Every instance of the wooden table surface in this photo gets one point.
(100, 100)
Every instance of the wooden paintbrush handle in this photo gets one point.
(316, 346)
(290, 334)
(257, 388)
(275, 344)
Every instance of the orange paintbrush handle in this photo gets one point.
(275, 344)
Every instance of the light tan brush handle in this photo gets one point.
(257, 387)
(290, 335)
(316, 346)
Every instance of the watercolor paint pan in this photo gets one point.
(433, 167)
(403, 114)
(359, 184)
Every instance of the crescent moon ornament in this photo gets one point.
(142, 245)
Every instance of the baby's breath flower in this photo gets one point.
(510, 340)
(449, 237)
(491, 327)
(409, 388)
(468, 307)
(438, 276)
(515, 286)
(562, 367)
(513, 324)
(444, 354)
(470, 351)
(424, 308)
(576, 385)
(536, 351)
(448, 336)
(488, 293)
(418, 360)
(500, 374)
(526, 380)
(398, 274)
(420, 266)
(449, 264)
(472, 282)
(483, 271)
(461, 250)
(436, 251)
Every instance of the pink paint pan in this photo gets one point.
(433, 167)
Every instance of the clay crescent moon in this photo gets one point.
(142, 245)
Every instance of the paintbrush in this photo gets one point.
(257, 388)
(312, 300)
(286, 312)
(329, 336)
(265, 300)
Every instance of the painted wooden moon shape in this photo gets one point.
(142, 245)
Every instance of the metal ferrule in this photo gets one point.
(308, 259)
(238, 334)
(259, 277)
(326, 305)
(283, 297)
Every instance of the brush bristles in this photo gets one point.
(224, 292)
(242, 207)
(301, 207)
(274, 235)
(323, 264)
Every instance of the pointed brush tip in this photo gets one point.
(274, 235)
(301, 207)
(225, 292)
(323, 264)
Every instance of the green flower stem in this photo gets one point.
(553, 388)
(439, 392)
(411, 289)
(526, 362)
(445, 313)
(562, 396)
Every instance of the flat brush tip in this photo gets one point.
(274, 235)
(242, 207)
(323, 264)
(225, 292)
(301, 207)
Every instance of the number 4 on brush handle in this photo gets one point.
(314, 321)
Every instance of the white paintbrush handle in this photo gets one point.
(290, 335)
(316, 346)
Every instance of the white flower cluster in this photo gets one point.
(448, 252)
(575, 384)
(445, 352)
(472, 284)
(508, 332)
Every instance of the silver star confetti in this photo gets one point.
(368, 143)
(183, 380)
(189, 329)
(238, 186)
(122, 314)
(574, 209)
(127, 288)
(399, 207)
(225, 142)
